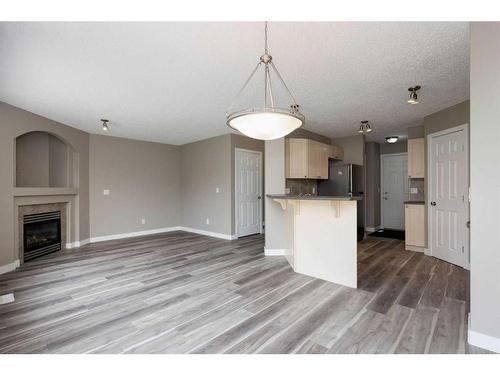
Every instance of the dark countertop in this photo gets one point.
(414, 202)
(315, 197)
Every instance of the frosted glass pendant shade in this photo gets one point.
(266, 125)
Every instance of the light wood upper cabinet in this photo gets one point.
(296, 156)
(336, 152)
(416, 159)
(415, 225)
(306, 158)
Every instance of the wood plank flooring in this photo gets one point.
(186, 293)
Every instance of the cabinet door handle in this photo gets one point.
(433, 203)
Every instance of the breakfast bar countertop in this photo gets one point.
(316, 197)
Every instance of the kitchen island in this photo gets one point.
(322, 233)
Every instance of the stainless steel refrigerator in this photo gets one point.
(346, 179)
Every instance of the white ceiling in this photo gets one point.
(172, 82)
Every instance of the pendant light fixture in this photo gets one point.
(268, 121)
(413, 99)
(105, 126)
(365, 127)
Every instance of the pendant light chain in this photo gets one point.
(265, 38)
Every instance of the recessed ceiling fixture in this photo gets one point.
(392, 139)
(413, 99)
(365, 127)
(105, 126)
(266, 122)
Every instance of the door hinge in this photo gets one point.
(463, 250)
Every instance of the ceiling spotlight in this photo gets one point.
(105, 124)
(392, 139)
(364, 127)
(413, 95)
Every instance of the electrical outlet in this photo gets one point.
(143, 221)
(105, 192)
(208, 221)
(217, 190)
(414, 190)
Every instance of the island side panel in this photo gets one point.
(325, 243)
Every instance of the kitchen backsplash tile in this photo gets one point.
(301, 186)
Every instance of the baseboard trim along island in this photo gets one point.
(322, 233)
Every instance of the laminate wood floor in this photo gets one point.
(185, 293)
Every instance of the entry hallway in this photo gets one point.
(181, 292)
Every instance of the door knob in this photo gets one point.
(259, 197)
(433, 203)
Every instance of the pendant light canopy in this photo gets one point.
(268, 121)
(365, 127)
(413, 99)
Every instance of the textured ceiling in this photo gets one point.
(172, 82)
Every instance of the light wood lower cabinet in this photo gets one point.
(415, 227)
(305, 158)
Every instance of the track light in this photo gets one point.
(105, 124)
(364, 127)
(392, 139)
(413, 99)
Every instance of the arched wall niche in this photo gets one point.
(43, 159)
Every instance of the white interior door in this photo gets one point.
(448, 195)
(394, 190)
(248, 192)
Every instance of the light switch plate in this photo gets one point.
(414, 190)
(217, 190)
(105, 192)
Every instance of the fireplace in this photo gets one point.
(41, 234)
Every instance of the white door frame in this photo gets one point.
(465, 127)
(382, 157)
(235, 199)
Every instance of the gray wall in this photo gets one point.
(354, 148)
(13, 123)
(241, 141)
(32, 160)
(205, 166)
(372, 191)
(41, 161)
(416, 132)
(58, 163)
(303, 133)
(394, 148)
(447, 118)
(485, 179)
(276, 236)
(144, 182)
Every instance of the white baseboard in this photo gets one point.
(72, 245)
(483, 341)
(372, 229)
(6, 298)
(274, 252)
(210, 234)
(161, 230)
(132, 234)
(10, 267)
